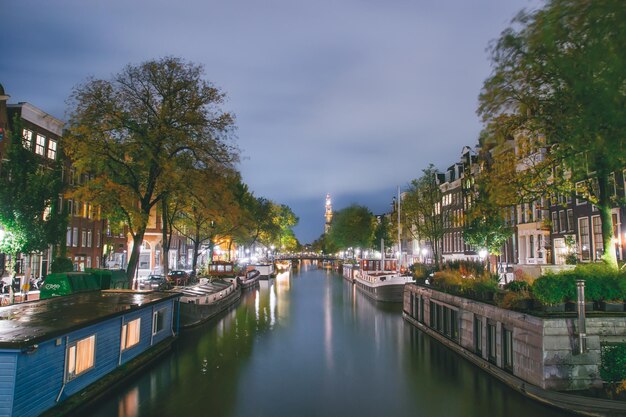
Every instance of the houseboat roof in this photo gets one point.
(26, 324)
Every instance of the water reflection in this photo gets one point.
(309, 344)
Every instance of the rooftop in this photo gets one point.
(25, 324)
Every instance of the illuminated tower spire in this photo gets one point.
(329, 214)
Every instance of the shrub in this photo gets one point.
(553, 289)
(517, 286)
(421, 271)
(467, 268)
(613, 362)
(447, 280)
(61, 264)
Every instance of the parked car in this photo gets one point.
(178, 277)
(154, 282)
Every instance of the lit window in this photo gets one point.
(80, 357)
(27, 137)
(130, 334)
(41, 145)
(75, 237)
(52, 149)
(83, 240)
(89, 238)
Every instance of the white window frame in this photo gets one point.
(52, 149)
(40, 145)
(155, 321)
(27, 138)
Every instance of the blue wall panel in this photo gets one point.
(8, 365)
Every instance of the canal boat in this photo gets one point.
(249, 279)
(266, 270)
(349, 271)
(75, 347)
(283, 265)
(380, 280)
(207, 299)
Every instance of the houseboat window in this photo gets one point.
(158, 321)
(130, 333)
(80, 356)
(478, 336)
(507, 349)
(421, 317)
(491, 342)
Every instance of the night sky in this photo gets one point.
(347, 97)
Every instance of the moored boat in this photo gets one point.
(283, 265)
(379, 280)
(265, 269)
(349, 271)
(249, 279)
(203, 301)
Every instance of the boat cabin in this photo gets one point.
(58, 347)
(378, 264)
(221, 269)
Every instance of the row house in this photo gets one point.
(576, 227)
(41, 133)
(456, 185)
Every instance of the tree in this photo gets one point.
(352, 227)
(384, 231)
(422, 210)
(29, 194)
(559, 74)
(137, 133)
(205, 212)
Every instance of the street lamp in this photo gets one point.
(424, 253)
(482, 254)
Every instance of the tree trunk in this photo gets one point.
(165, 239)
(230, 247)
(604, 206)
(194, 262)
(134, 255)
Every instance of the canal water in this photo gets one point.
(310, 344)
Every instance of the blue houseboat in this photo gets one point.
(52, 349)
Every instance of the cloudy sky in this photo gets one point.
(347, 97)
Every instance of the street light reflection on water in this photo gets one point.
(316, 347)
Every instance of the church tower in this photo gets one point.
(329, 214)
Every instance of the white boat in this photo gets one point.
(378, 279)
(203, 301)
(266, 269)
(349, 270)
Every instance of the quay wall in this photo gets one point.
(542, 351)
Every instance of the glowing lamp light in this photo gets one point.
(482, 253)
(424, 252)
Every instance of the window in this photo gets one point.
(27, 137)
(60, 204)
(158, 321)
(598, 244)
(75, 237)
(491, 342)
(41, 145)
(68, 237)
(80, 357)
(89, 238)
(555, 222)
(72, 175)
(52, 149)
(70, 207)
(531, 246)
(98, 238)
(507, 349)
(88, 262)
(83, 240)
(130, 334)
(570, 220)
(478, 335)
(562, 220)
(583, 231)
(580, 191)
(539, 246)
